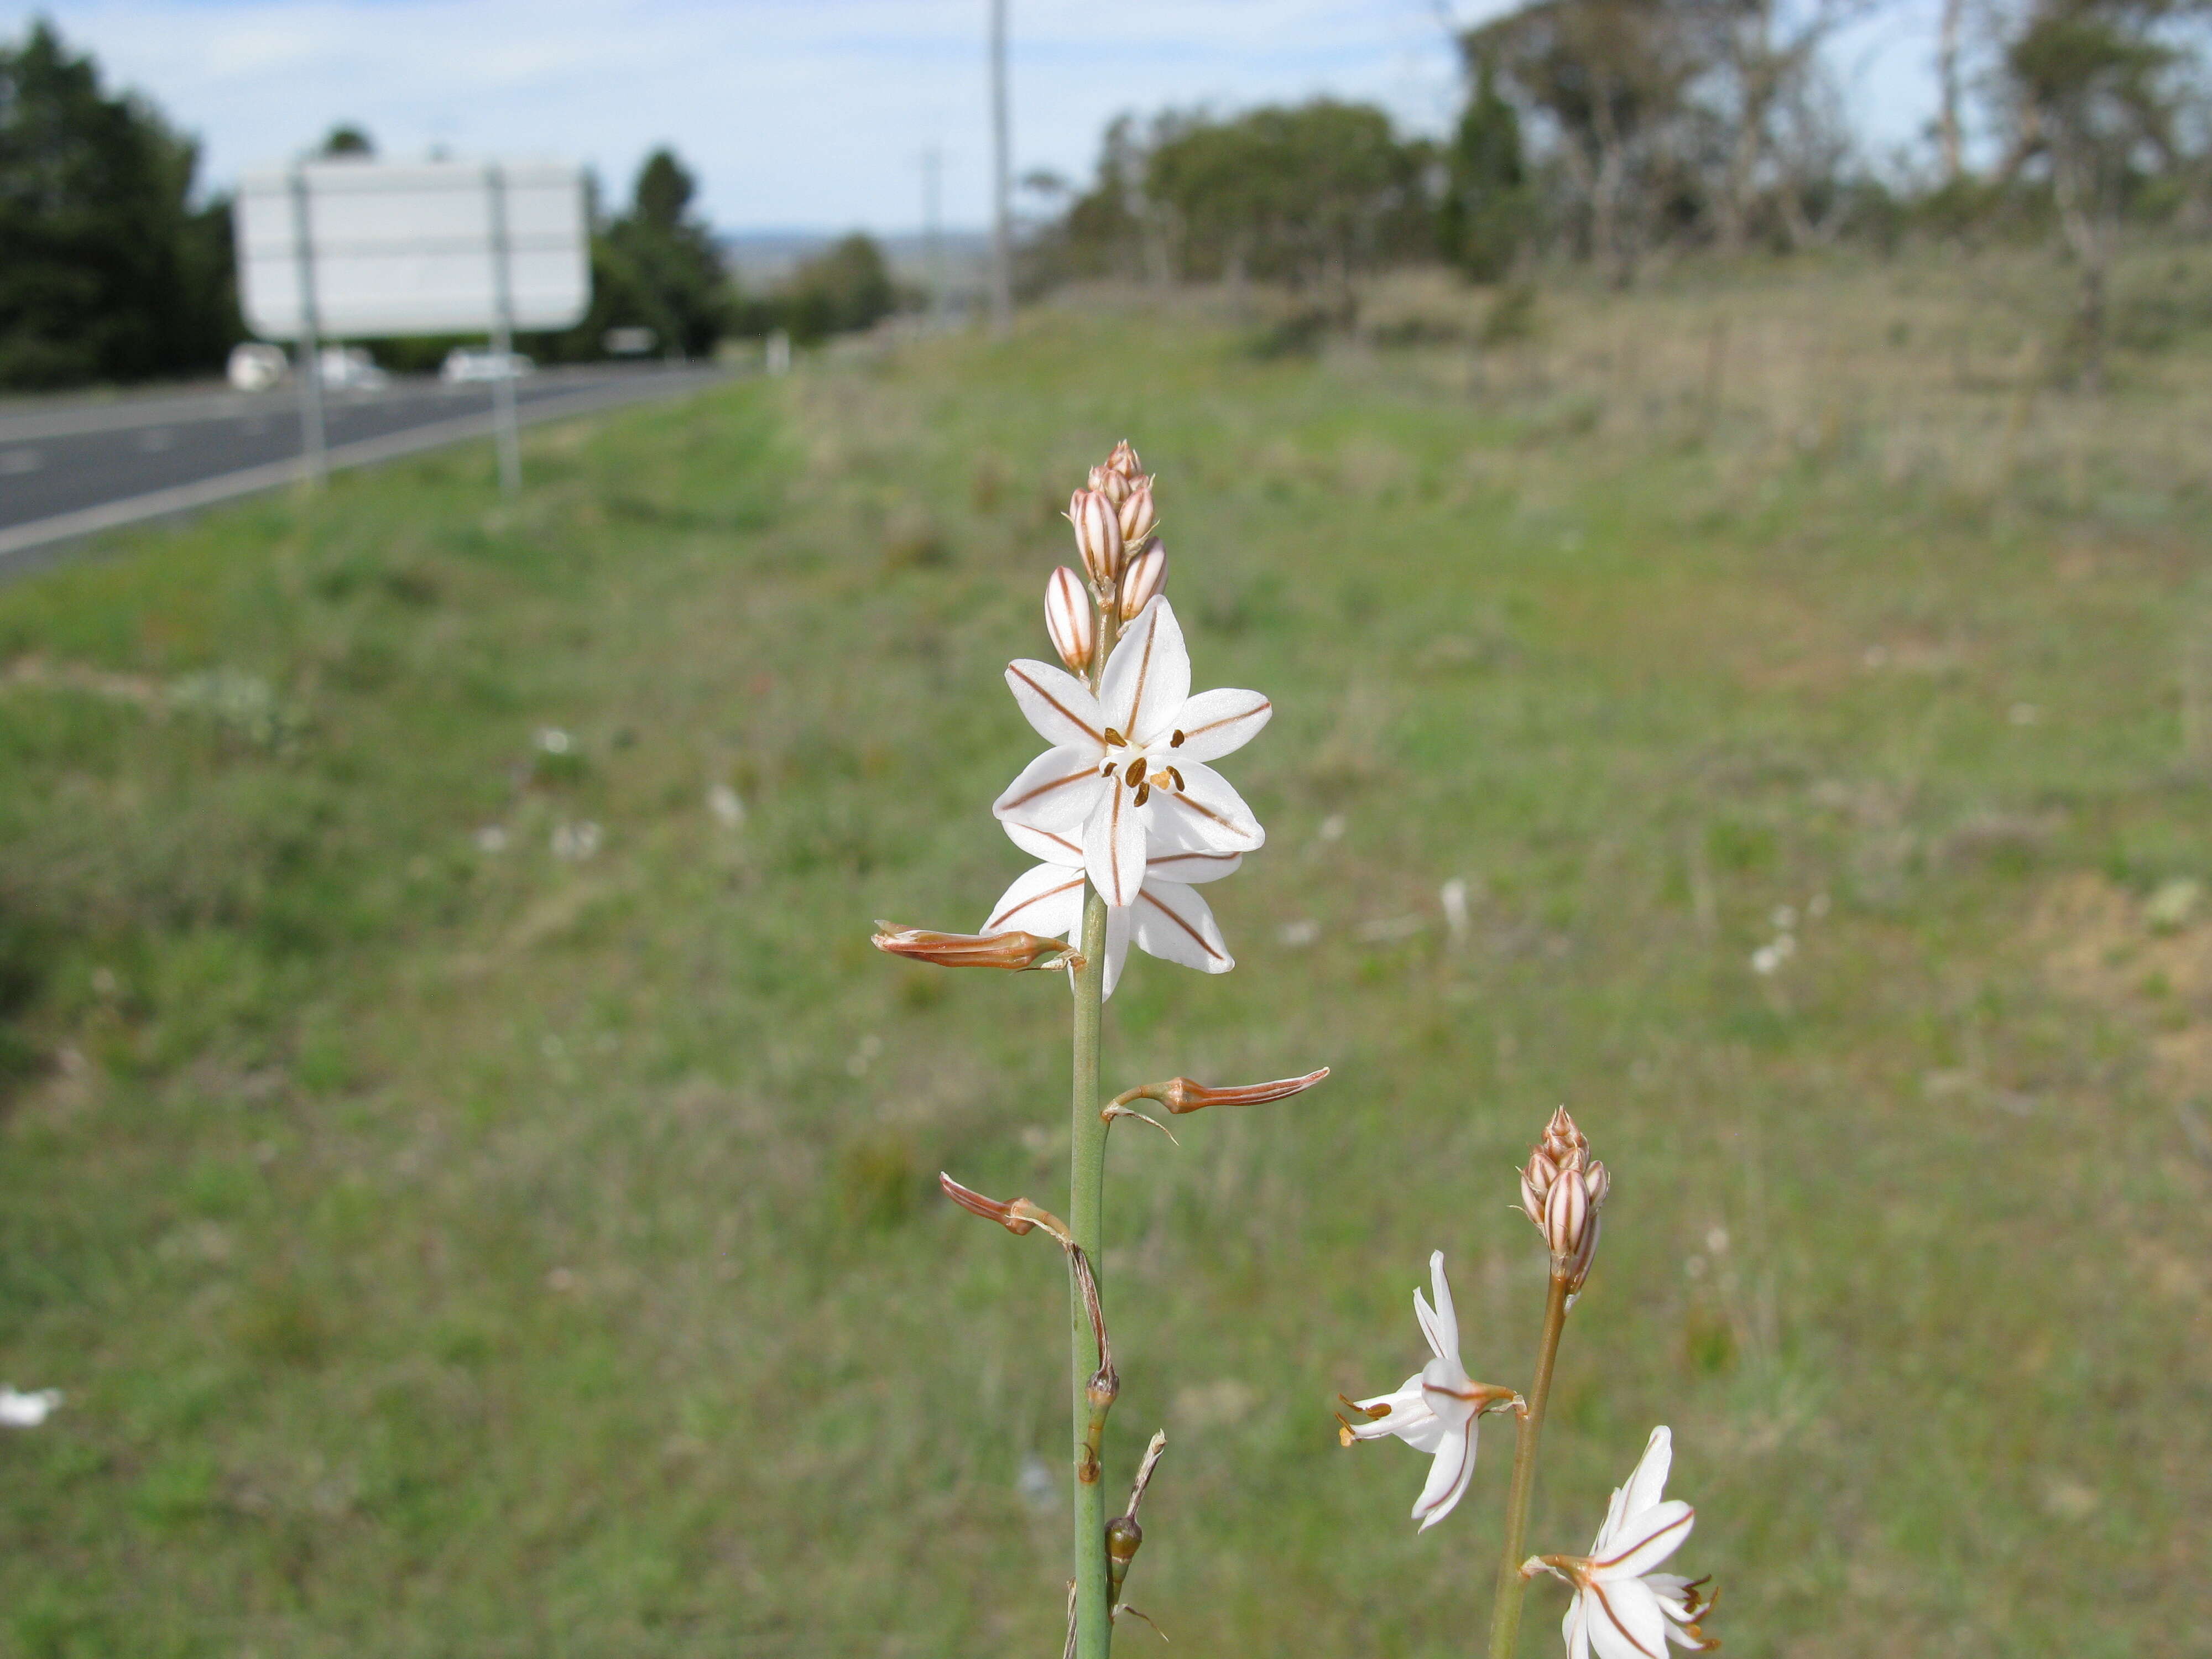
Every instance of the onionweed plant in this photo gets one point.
(1622, 1606)
(1128, 818)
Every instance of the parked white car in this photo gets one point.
(466, 366)
(255, 366)
(349, 369)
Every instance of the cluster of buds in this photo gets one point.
(1561, 1191)
(1114, 521)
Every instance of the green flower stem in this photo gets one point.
(1505, 1611)
(1094, 1631)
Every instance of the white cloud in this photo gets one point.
(801, 113)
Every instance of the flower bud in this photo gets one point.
(1124, 461)
(1098, 535)
(1068, 619)
(1562, 1139)
(1012, 951)
(1136, 510)
(1146, 576)
(1566, 1208)
(1109, 484)
(1536, 1186)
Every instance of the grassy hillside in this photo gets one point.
(475, 1183)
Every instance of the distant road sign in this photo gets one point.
(355, 249)
(433, 247)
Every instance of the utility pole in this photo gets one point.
(1947, 71)
(932, 228)
(1002, 235)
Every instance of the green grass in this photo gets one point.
(449, 1250)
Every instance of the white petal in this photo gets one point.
(1147, 679)
(1190, 866)
(1117, 947)
(1448, 1477)
(1218, 723)
(1648, 1484)
(1175, 925)
(1055, 792)
(1047, 900)
(1448, 1390)
(1408, 1418)
(1064, 850)
(1646, 1538)
(1446, 1340)
(1113, 845)
(1614, 1510)
(1432, 1329)
(1575, 1628)
(1625, 1621)
(1059, 705)
(1205, 812)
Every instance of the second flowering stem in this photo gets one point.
(1505, 1609)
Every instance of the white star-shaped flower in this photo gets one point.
(1127, 767)
(1622, 1608)
(1437, 1409)
(1168, 920)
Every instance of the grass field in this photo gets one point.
(474, 1182)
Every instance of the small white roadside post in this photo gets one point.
(503, 337)
(310, 366)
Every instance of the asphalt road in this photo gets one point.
(67, 470)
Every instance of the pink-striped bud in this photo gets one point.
(1098, 535)
(1561, 1137)
(1124, 461)
(1109, 484)
(1146, 577)
(1536, 1186)
(1136, 509)
(1566, 1208)
(1068, 618)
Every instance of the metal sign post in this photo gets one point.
(502, 338)
(310, 367)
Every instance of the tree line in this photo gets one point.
(115, 266)
(1612, 131)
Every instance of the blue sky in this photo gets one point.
(803, 113)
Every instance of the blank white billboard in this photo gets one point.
(412, 248)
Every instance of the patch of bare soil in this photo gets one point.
(2149, 959)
